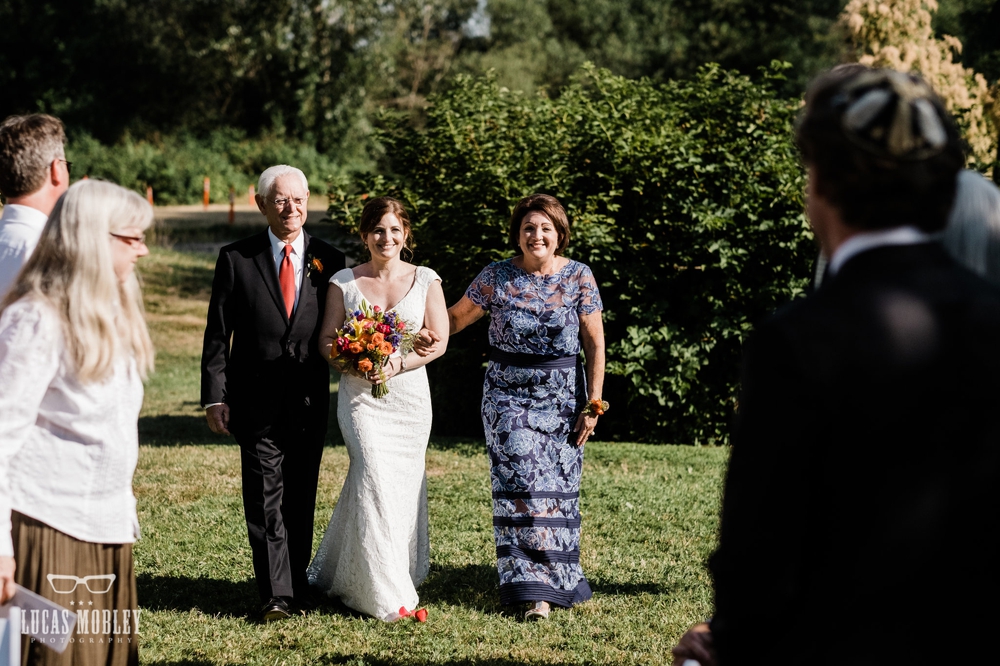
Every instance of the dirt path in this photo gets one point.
(245, 215)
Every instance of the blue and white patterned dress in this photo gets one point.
(534, 384)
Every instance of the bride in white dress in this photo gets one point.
(375, 551)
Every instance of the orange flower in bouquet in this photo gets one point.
(368, 338)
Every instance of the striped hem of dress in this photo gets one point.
(540, 556)
(514, 593)
(499, 494)
(531, 521)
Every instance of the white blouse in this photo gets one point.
(67, 450)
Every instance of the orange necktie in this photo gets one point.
(286, 277)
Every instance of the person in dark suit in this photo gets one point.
(270, 386)
(861, 503)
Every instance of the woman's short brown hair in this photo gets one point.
(547, 205)
(883, 149)
(379, 207)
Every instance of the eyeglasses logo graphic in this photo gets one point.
(61, 584)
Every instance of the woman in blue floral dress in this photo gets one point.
(539, 405)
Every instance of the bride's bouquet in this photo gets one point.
(367, 339)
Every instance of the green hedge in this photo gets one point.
(176, 165)
(686, 199)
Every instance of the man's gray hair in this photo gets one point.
(265, 186)
(973, 232)
(28, 145)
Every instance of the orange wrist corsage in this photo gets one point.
(596, 407)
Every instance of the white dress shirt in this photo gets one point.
(869, 240)
(67, 450)
(20, 229)
(297, 257)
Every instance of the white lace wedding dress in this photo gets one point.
(375, 551)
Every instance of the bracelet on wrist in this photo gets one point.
(596, 407)
(402, 362)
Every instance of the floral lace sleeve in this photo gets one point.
(589, 299)
(481, 291)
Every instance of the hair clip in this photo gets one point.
(892, 115)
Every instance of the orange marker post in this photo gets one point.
(149, 194)
(206, 193)
(232, 204)
(253, 198)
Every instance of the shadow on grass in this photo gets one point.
(472, 586)
(223, 598)
(179, 232)
(613, 588)
(470, 446)
(366, 660)
(184, 430)
(190, 281)
(176, 430)
(192, 230)
(187, 662)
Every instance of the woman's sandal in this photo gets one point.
(540, 611)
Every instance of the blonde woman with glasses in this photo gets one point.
(74, 350)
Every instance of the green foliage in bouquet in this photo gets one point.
(686, 199)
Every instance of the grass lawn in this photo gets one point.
(649, 520)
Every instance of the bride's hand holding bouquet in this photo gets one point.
(367, 341)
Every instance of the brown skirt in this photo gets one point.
(105, 604)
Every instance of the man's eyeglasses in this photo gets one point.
(69, 165)
(281, 203)
(131, 240)
(61, 584)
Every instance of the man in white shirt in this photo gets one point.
(33, 175)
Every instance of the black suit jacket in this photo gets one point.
(272, 369)
(861, 506)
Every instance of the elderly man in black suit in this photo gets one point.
(270, 387)
(860, 511)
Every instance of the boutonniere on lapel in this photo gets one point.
(313, 264)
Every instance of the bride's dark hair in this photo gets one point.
(378, 208)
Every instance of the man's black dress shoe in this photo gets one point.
(277, 608)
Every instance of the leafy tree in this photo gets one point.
(317, 71)
(310, 70)
(541, 42)
(976, 23)
(685, 198)
(900, 36)
(522, 47)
